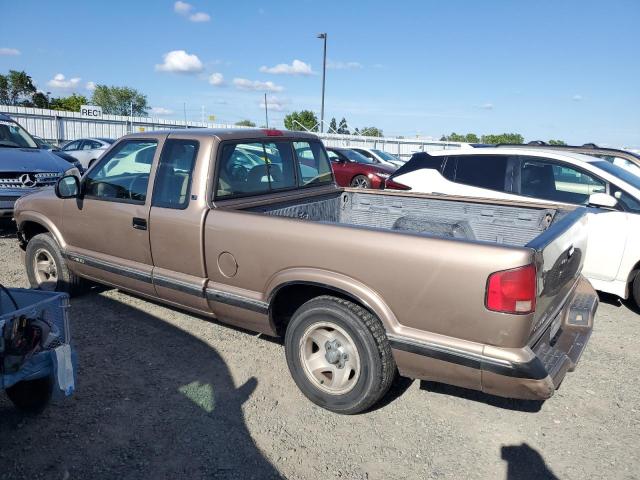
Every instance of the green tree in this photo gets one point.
(71, 103)
(40, 100)
(304, 120)
(454, 137)
(120, 100)
(343, 129)
(17, 88)
(333, 126)
(245, 123)
(503, 138)
(472, 138)
(356, 131)
(557, 142)
(371, 132)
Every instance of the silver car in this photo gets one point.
(87, 150)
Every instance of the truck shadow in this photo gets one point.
(616, 301)
(525, 463)
(527, 406)
(152, 401)
(7, 228)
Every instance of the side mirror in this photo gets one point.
(602, 200)
(68, 187)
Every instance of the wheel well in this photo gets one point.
(289, 298)
(28, 230)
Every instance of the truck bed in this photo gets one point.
(501, 224)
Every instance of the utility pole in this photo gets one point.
(266, 110)
(323, 36)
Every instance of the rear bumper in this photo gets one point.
(533, 372)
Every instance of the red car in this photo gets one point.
(353, 169)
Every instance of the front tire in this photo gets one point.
(635, 289)
(46, 267)
(338, 355)
(360, 181)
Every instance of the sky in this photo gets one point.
(563, 69)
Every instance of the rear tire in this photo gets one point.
(635, 290)
(338, 355)
(47, 269)
(360, 181)
(31, 396)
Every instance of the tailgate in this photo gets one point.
(560, 252)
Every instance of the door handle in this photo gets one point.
(139, 223)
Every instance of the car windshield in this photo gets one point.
(13, 135)
(110, 141)
(385, 156)
(355, 156)
(619, 172)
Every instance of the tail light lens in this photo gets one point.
(512, 291)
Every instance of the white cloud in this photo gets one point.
(185, 9)
(487, 106)
(61, 82)
(181, 62)
(161, 110)
(244, 84)
(297, 67)
(577, 98)
(9, 51)
(200, 17)
(274, 103)
(216, 79)
(344, 65)
(90, 86)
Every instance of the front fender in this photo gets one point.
(26, 216)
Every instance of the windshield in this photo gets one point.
(385, 156)
(355, 156)
(619, 172)
(13, 135)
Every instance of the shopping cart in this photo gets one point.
(35, 347)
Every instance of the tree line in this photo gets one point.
(17, 88)
(307, 120)
(491, 138)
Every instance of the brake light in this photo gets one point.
(272, 132)
(512, 291)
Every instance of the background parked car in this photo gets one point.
(379, 156)
(354, 170)
(612, 261)
(24, 168)
(87, 150)
(44, 145)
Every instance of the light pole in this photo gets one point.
(323, 36)
(266, 110)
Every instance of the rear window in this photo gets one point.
(255, 168)
(484, 171)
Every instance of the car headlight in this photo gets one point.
(382, 175)
(72, 171)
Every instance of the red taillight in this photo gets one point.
(512, 291)
(272, 132)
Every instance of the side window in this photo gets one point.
(172, 187)
(628, 203)
(313, 164)
(484, 171)
(554, 181)
(123, 174)
(255, 168)
(72, 146)
(333, 156)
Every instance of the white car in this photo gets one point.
(87, 150)
(379, 156)
(612, 261)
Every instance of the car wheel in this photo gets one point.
(338, 355)
(361, 181)
(31, 396)
(46, 267)
(635, 289)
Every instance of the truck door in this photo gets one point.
(178, 210)
(107, 227)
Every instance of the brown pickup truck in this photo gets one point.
(247, 226)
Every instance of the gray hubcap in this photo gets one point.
(330, 358)
(45, 270)
(359, 182)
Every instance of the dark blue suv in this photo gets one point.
(24, 167)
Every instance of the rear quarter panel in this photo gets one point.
(418, 285)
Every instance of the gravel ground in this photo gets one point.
(163, 394)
